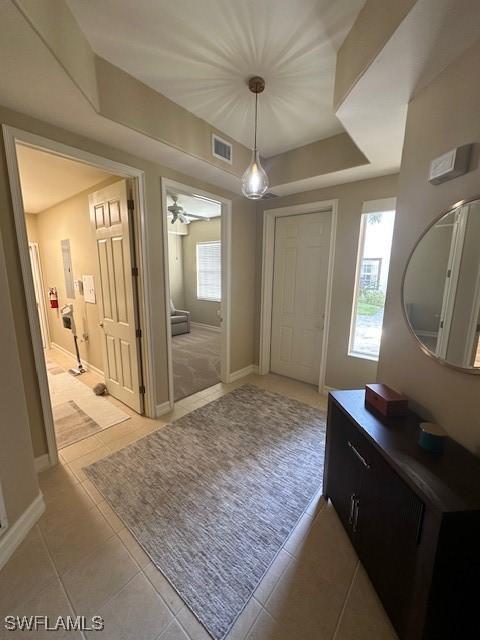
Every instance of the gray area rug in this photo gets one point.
(213, 497)
(77, 411)
(72, 424)
(196, 361)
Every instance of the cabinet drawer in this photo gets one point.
(380, 513)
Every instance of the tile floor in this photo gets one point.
(81, 560)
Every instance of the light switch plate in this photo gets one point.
(89, 289)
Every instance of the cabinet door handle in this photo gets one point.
(355, 517)
(352, 508)
(359, 455)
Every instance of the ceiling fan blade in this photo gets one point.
(194, 215)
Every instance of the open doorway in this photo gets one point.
(196, 226)
(76, 218)
(76, 224)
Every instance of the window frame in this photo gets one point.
(352, 353)
(200, 244)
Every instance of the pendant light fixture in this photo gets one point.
(255, 180)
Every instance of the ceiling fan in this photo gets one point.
(177, 212)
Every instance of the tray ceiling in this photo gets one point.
(199, 53)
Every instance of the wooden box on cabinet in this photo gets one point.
(385, 400)
(412, 516)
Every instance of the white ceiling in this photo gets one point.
(200, 52)
(434, 33)
(33, 82)
(47, 179)
(197, 206)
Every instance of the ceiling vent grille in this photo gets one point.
(221, 149)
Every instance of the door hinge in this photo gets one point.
(138, 333)
(130, 204)
(449, 273)
(441, 324)
(141, 389)
(135, 271)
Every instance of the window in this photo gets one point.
(376, 230)
(209, 271)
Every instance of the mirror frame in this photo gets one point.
(423, 348)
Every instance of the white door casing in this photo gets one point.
(13, 136)
(109, 217)
(39, 292)
(225, 310)
(300, 280)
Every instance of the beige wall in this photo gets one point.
(343, 371)
(17, 476)
(243, 264)
(317, 158)
(204, 311)
(31, 224)
(443, 115)
(374, 26)
(70, 220)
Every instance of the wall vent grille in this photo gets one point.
(269, 195)
(222, 149)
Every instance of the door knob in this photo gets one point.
(100, 324)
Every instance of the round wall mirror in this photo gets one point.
(441, 288)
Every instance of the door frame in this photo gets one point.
(269, 218)
(43, 309)
(12, 136)
(451, 283)
(226, 240)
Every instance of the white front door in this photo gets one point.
(109, 216)
(300, 272)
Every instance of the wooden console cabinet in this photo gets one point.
(412, 516)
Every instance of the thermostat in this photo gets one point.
(450, 165)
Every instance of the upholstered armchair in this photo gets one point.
(179, 320)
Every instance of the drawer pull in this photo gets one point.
(359, 455)
(355, 517)
(352, 508)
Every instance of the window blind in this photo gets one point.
(209, 271)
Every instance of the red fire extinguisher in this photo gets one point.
(52, 294)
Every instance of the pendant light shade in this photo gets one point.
(255, 180)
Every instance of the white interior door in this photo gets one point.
(300, 272)
(39, 292)
(109, 216)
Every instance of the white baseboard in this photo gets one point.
(42, 463)
(327, 389)
(209, 327)
(241, 373)
(14, 535)
(163, 408)
(66, 352)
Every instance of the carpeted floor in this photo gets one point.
(213, 497)
(77, 411)
(196, 361)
